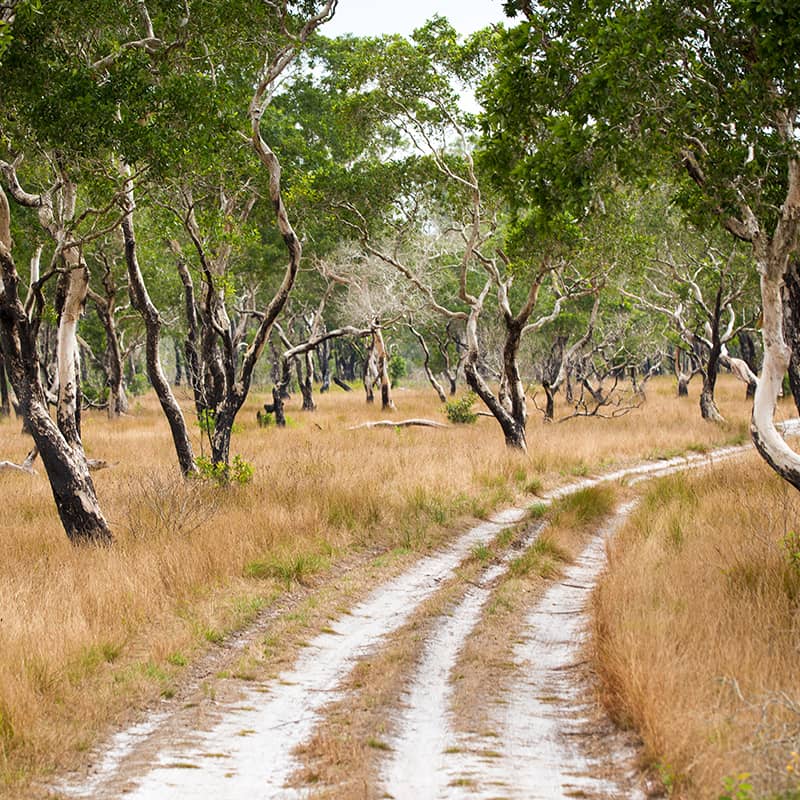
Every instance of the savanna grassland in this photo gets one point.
(88, 634)
(698, 631)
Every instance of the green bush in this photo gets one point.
(137, 385)
(239, 471)
(397, 368)
(460, 411)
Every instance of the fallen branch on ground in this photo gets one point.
(98, 463)
(404, 423)
(25, 466)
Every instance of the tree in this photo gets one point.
(59, 444)
(711, 88)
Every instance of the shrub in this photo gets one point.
(460, 411)
(397, 369)
(239, 471)
(167, 504)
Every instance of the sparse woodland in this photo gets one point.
(232, 248)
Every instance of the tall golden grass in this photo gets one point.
(698, 632)
(87, 634)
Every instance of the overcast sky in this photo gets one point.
(374, 17)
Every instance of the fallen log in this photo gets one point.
(400, 423)
(25, 466)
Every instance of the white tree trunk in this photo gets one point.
(766, 436)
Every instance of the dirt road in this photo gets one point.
(247, 747)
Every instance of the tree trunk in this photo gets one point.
(382, 367)
(305, 378)
(777, 355)
(75, 287)
(550, 397)
(178, 363)
(513, 431)
(140, 299)
(64, 460)
(324, 358)
(5, 406)
(791, 322)
(279, 394)
(369, 373)
(341, 384)
(748, 348)
(117, 399)
(513, 427)
(708, 406)
(426, 365)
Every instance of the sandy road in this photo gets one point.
(249, 750)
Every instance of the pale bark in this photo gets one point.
(772, 258)
(404, 423)
(63, 459)
(382, 365)
(26, 466)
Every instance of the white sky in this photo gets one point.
(375, 17)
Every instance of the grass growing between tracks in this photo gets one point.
(87, 635)
(697, 630)
(485, 665)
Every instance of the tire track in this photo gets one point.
(249, 752)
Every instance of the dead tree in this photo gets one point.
(600, 390)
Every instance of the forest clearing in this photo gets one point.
(399, 401)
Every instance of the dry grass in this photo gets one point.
(87, 634)
(698, 631)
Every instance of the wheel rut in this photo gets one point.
(249, 749)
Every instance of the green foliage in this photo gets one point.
(397, 368)
(239, 471)
(460, 411)
(137, 385)
(206, 421)
(737, 788)
(481, 552)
